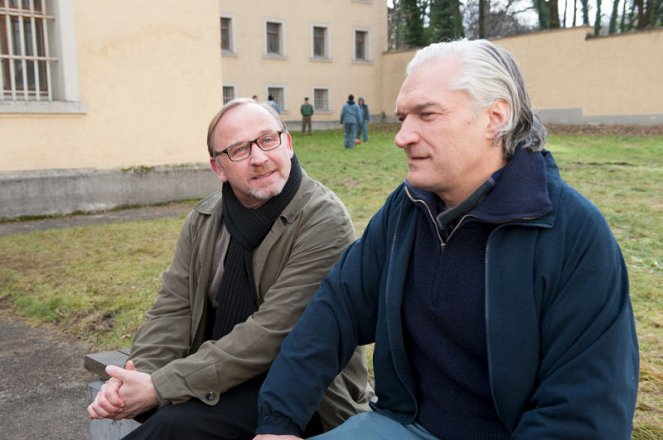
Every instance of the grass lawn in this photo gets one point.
(96, 282)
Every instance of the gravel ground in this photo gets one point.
(43, 385)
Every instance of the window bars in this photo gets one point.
(26, 65)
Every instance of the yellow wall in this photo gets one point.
(251, 72)
(150, 79)
(614, 79)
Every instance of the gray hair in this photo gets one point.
(236, 103)
(489, 73)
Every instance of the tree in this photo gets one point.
(543, 12)
(413, 17)
(445, 20)
(613, 17)
(553, 14)
(597, 20)
(502, 19)
(585, 12)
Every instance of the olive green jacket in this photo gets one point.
(288, 266)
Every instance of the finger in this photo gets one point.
(130, 366)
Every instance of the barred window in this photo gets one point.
(361, 45)
(320, 42)
(321, 100)
(26, 66)
(274, 38)
(227, 34)
(228, 94)
(278, 94)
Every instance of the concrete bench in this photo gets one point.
(96, 363)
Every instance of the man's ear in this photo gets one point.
(218, 170)
(498, 116)
(288, 140)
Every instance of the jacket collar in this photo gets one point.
(518, 191)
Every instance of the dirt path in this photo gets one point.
(43, 385)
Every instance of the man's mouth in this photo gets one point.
(263, 175)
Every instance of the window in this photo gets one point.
(320, 42)
(38, 66)
(274, 41)
(228, 94)
(26, 64)
(227, 35)
(278, 94)
(361, 45)
(321, 100)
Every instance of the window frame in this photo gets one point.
(281, 40)
(284, 102)
(315, 101)
(367, 46)
(60, 38)
(231, 50)
(223, 92)
(326, 56)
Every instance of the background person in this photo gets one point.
(495, 294)
(350, 118)
(247, 262)
(275, 105)
(362, 133)
(306, 111)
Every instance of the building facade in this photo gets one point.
(320, 49)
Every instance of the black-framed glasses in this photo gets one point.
(242, 150)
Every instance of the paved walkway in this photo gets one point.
(43, 385)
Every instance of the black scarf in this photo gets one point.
(247, 227)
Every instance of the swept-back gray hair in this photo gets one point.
(236, 103)
(489, 73)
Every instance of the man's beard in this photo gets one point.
(265, 195)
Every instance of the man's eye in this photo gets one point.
(267, 139)
(240, 149)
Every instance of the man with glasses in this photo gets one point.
(246, 265)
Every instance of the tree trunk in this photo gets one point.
(482, 18)
(575, 11)
(553, 14)
(613, 18)
(585, 12)
(597, 20)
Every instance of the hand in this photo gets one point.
(134, 395)
(107, 402)
(276, 437)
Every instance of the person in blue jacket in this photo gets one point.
(351, 118)
(362, 131)
(496, 294)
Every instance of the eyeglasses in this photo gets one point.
(242, 150)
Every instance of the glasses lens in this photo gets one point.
(239, 152)
(266, 142)
(269, 141)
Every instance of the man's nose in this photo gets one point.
(407, 134)
(257, 154)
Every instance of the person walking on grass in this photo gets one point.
(351, 118)
(362, 132)
(247, 262)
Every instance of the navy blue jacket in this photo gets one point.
(562, 348)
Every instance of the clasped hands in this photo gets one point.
(126, 394)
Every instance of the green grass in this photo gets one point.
(96, 282)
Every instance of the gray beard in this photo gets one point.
(266, 195)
